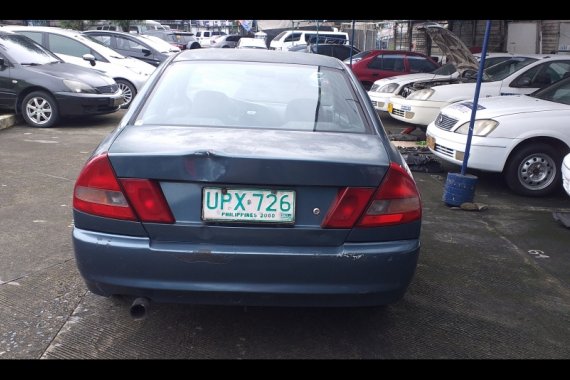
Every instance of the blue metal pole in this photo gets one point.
(476, 98)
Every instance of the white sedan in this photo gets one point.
(525, 137)
(384, 89)
(566, 174)
(518, 75)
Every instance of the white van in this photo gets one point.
(289, 38)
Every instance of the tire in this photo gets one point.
(195, 45)
(534, 170)
(40, 110)
(226, 46)
(129, 92)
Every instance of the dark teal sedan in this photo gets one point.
(248, 177)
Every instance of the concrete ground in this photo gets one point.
(492, 284)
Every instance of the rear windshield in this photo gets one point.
(254, 95)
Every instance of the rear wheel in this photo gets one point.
(195, 45)
(534, 170)
(129, 92)
(39, 109)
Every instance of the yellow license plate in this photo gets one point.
(430, 142)
(390, 107)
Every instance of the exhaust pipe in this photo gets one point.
(139, 308)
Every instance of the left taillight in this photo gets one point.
(98, 192)
(395, 201)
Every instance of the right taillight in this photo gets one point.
(99, 192)
(396, 201)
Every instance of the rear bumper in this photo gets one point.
(71, 104)
(354, 274)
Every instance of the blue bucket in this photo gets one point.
(459, 189)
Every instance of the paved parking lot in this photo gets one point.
(492, 284)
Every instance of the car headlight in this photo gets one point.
(79, 87)
(390, 87)
(423, 94)
(480, 127)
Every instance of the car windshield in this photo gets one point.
(254, 95)
(25, 51)
(558, 92)
(447, 69)
(502, 70)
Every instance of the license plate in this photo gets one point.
(390, 107)
(374, 103)
(430, 142)
(248, 205)
(405, 108)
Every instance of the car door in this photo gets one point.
(130, 47)
(72, 51)
(385, 65)
(536, 77)
(7, 90)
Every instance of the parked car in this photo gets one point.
(522, 74)
(459, 59)
(231, 184)
(289, 38)
(371, 65)
(205, 37)
(187, 38)
(227, 41)
(251, 43)
(525, 137)
(566, 173)
(138, 46)
(74, 47)
(42, 88)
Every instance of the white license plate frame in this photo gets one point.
(248, 205)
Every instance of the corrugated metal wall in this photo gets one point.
(550, 35)
(472, 32)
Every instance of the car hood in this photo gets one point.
(134, 64)
(74, 72)
(496, 107)
(410, 78)
(451, 46)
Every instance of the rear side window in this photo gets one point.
(65, 45)
(387, 62)
(254, 95)
(420, 65)
(293, 37)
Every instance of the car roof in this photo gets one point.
(252, 55)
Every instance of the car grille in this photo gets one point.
(398, 112)
(444, 150)
(444, 122)
(111, 89)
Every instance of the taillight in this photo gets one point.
(395, 201)
(98, 192)
(347, 207)
(148, 200)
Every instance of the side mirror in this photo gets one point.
(2, 63)
(523, 82)
(146, 52)
(90, 58)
